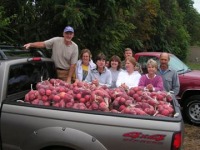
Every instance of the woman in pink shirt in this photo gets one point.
(151, 81)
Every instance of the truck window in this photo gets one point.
(177, 64)
(21, 76)
(143, 61)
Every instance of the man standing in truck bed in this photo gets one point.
(169, 76)
(64, 53)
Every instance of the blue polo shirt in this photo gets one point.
(170, 80)
(105, 78)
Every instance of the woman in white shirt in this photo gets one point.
(129, 77)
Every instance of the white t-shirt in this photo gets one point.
(131, 80)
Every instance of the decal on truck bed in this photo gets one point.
(139, 137)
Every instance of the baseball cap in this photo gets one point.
(68, 29)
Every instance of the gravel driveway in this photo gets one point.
(191, 137)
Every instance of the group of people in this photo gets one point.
(116, 73)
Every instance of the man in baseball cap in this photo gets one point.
(64, 53)
(68, 29)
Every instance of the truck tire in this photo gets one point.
(57, 148)
(191, 110)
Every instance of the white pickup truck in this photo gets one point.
(25, 126)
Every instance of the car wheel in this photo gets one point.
(191, 110)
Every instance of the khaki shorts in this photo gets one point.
(62, 74)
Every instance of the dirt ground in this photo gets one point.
(191, 137)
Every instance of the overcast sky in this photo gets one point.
(197, 5)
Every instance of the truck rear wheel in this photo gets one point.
(57, 148)
(191, 110)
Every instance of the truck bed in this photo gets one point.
(89, 129)
(25, 126)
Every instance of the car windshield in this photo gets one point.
(178, 65)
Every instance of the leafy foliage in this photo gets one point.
(4, 27)
(106, 26)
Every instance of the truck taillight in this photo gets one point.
(176, 141)
(35, 59)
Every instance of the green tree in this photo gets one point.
(106, 25)
(191, 20)
(172, 35)
(4, 27)
(144, 20)
(101, 25)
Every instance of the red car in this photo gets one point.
(189, 94)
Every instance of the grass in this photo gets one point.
(194, 66)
